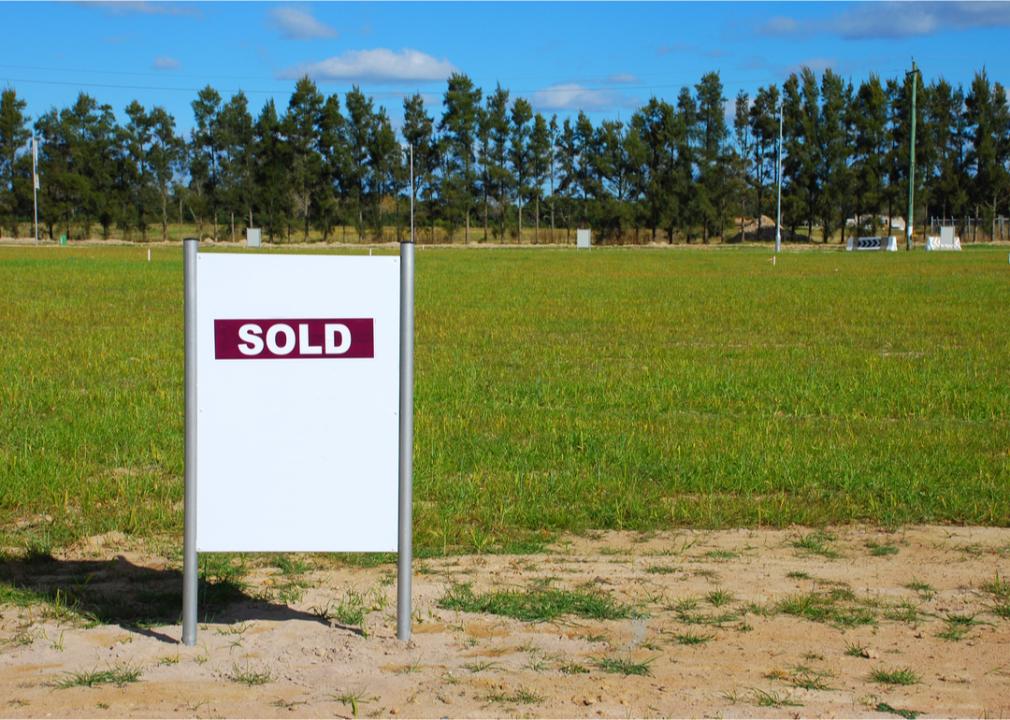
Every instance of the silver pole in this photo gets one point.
(405, 545)
(778, 180)
(190, 576)
(35, 184)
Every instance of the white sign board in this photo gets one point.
(889, 244)
(583, 238)
(297, 374)
(252, 237)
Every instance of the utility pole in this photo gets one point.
(778, 182)
(35, 184)
(911, 164)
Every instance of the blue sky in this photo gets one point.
(605, 58)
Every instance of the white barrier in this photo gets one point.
(889, 244)
(946, 241)
(583, 239)
(252, 237)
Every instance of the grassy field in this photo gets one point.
(556, 390)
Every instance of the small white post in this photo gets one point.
(778, 179)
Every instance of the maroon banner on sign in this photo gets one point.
(291, 339)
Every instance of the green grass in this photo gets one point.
(901, 712)
(118, 675)
(555, 391)
(816, 543)
(624, 666)
(899, 676)
(878, 550)
(535, 604)
(248, 676)
(691, 638)
(838, 607)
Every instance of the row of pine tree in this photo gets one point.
(335, 168)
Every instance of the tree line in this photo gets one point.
(489, 165)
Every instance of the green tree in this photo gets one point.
(764, 128)
(163, 159)
(459, 127)
(713, 185)
(869, 150)
(300, 125)
(520, 156)
(989, 122)
(685, 141)
(358, 126)
(236, 136)
(334, 159)
(833, 146)
(15, 163)
(655, 125)
(496, 120)
(204, 157)
(418, 130)
(271, 170)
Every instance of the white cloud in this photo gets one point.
(378, 65)
(877, 20)
(906, 19)
(571, 96)
(142, 7)
(779, 25)
(163, 62)
(297, 24)
(622, 79)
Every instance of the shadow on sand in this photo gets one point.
(137, 598)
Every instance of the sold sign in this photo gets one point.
(300, 338)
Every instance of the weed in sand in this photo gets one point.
(998, 587)
(799, 575)
(925, 590)
(574, 668)
(660, 569)
(248, 676)
(690, 638)
(721, 555)
(897, 676)
(770, 698)
(118, 675)
(877, 550)
(855, 649)
(354, 698)
(535, 605)
(807, 678)
(481, 666)
(907, 714)
(837, 606)
(718, 598)
(817, 543)
(623, 666)
(519, 696)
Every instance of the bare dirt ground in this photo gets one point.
(722, 624)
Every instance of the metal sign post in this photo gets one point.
(405, 549)
(190, 578)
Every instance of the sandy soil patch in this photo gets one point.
(730, 623)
